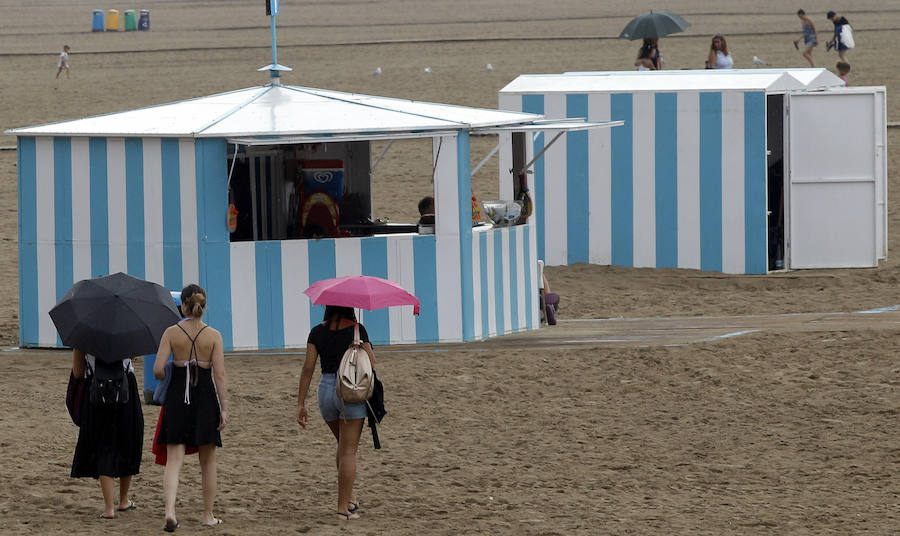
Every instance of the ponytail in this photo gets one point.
(193, 301)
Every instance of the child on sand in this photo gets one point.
(63, 62)
(843, 68)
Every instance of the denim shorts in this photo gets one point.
(330, 404)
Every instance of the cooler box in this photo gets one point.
(112, 20)
(150, 381)
(144, 20)
(130, 21)
(99, 24)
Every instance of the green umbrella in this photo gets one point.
(653, 25)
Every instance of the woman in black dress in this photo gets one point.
(330, 340)
(195, 408)
(110, 439)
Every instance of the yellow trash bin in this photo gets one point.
(112, 20)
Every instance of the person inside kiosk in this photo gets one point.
(310, 190)
(313, 190)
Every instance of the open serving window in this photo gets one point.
(302, 190)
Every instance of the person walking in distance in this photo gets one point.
(63, 63)
(843, 35)
(810, 37)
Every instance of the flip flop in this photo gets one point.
(170, 527)
(214, 523)
(349, 516)
(131, 506)
(353, 507)
(104, 516)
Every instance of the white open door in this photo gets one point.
(836, 179)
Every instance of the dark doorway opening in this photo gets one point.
(775, 179)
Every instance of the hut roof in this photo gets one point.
(811, 77)
(675, 80)
(280, 111)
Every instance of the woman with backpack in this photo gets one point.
(330, 340)
(196, 404)
(110, 435)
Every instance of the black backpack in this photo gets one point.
(109, 385)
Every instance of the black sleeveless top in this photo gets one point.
(331, 345)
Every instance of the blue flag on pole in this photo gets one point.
(271, 7)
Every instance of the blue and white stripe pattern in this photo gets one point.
(88, 210)
(156, 208)
(681, 184)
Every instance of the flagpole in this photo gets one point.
(274, 69)
(276, 77)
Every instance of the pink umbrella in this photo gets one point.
(364, 291)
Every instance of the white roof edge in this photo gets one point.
(568, 125)
(224, 117)
(290, 140)
(619, 81)
(17, 130)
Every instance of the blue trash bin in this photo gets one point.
(99, 24)
(144, 20)
(150, 381)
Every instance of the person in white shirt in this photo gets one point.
(63, 62)
(719, 58)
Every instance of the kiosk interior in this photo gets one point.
(308, 190)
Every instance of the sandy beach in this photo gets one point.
(772, 432)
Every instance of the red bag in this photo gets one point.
(160, 450)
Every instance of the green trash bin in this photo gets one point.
(130, 21)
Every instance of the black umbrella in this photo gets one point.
(653, 25)
(114, 317)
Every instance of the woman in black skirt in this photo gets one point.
(110, 439)
(196, 403)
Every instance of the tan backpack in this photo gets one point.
(355, 379)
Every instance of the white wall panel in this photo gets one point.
(688, 119)
(117, 202)
(81, 210)
(294, 280)
(153, 211)
(733, 249)
(600, 182)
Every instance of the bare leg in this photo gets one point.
(843, 55)
(208, 470)
(124, 484)
(58, 71)
(335, 427)
(348, 444)
(807, 53)
(174, 459)
(108, 486)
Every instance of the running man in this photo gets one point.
(63, 62)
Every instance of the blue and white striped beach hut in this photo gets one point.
(740, 171)
(146, 192)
